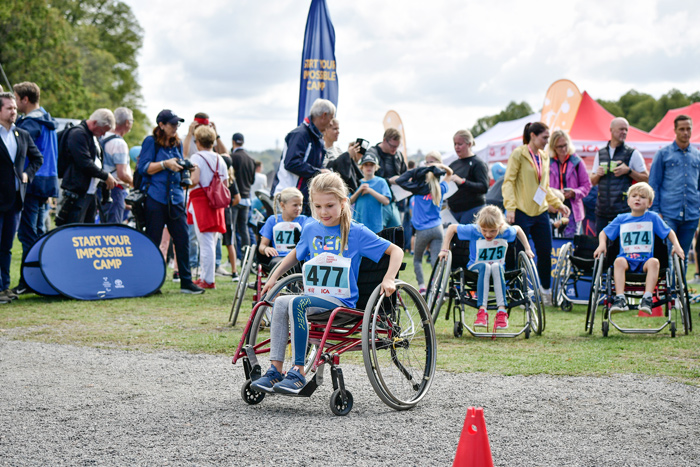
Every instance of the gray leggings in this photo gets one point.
(282, 312)
(426, 238)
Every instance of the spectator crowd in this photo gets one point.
(87, 168)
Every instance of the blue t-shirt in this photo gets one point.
(425, 214)
(267, 230)
(472, 232)
(368, 210)
(317, 238)
(637, 234)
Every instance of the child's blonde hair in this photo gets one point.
(644, 189)
(491, 217)
(331, 183)
(286, 195)
(433, 181)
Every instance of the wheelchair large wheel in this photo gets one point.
(594, 296)
(531, 289)
(681, 291)
(560, 276)
(239, 296)
(398, 346)
(437, 288)
(259, 332)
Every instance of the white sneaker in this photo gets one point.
(695, 280)
(546, 297)
(220, 271)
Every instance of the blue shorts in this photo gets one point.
(636, 266)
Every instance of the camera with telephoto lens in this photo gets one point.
(185, 179)
(106, 193)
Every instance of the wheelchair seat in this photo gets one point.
(660, 253)
(582, 257)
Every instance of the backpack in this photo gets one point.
(217, 193)
(64, 159)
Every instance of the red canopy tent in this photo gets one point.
(664, 129)
(589, 132)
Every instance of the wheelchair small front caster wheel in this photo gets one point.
(606, 328)
(249, 396)
(673, 329)
(338, 407)
(458, 329)
(566, 305)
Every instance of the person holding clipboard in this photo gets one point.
(527, 197)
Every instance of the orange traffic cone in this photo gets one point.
(473, 449)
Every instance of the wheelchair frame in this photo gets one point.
(394, 333)
(567, 273)
(460, 286)
(670, 286)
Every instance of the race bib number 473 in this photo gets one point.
(283, 233)
(637, 237)
(327, 275)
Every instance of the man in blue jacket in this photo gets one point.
(16, 148)
(42, 128)
(304, 151)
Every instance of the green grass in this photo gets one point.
(198, 324)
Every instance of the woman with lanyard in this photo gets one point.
(567, 173)
(527, 196)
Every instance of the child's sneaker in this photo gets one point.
(234, 277)
(293, 383)
(646, 304)
(482, 319)
(267, 381)
(501, 320)
(619, 304)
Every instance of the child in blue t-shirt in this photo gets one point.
(332, 246)
(371, 196)
(636, 230)
(429, 191)
(488, 242)
(277, 236)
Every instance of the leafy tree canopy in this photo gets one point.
(511, 112)
(81, 53)
(643, 111)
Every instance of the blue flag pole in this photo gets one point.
(318, 71)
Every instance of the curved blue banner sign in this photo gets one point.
(100, 261)
(31, 270)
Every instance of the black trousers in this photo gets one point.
(159, 215)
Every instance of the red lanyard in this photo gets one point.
(562, 171)
(538, 165)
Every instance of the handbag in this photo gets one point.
(217, 193)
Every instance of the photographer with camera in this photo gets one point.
(165, 173)
(84, 172)
(346, 165)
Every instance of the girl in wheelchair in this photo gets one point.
(488, 241)
(636, 230)
(277, 236)
(333, 246)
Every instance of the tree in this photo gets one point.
(511, 112)
(82, 53)
(643, 111)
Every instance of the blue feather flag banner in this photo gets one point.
(318, 73)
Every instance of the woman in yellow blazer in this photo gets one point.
(527, 197)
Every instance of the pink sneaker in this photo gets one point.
(482, 319)
(501, 320)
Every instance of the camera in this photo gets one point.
(185, 179)
(364, 145)
(106, 193)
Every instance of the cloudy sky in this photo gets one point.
(440, 64)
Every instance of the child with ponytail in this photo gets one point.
(425, 184)
(488, 241)
(279, 234)
(330, 237)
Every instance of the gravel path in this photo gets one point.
(64, 405)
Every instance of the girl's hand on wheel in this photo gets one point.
(388, 287)
(268, 286)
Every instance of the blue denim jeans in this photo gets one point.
(194, 247)
(685, 230)
(486, 272)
